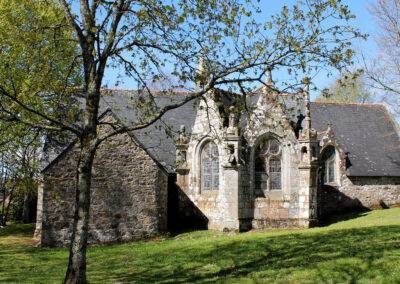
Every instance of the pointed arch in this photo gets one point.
(268, 164)
(209, 166)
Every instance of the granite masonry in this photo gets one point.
(128, 195)
(286, 164)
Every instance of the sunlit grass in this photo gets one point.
(356, 248)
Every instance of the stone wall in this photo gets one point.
(288, 207)
(128, 195)
(236, 205)
(358, 193)
(206, 207)
(353, 193)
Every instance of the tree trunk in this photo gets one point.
(26, 207)
(7, 208)
(76, 272)
(3, 204)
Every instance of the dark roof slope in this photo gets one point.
(366, 133)
(159, 138)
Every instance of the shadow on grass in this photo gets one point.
(345, 255)
(329, 220)
(24, 230)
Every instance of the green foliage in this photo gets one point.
(38, 60)
(24, 198)
(350, 87)
(356, 248)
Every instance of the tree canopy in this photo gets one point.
(38, 59)
(349, 87)
(36, 52)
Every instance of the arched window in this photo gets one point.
(268, 166)
(209, 167)
(328, 156)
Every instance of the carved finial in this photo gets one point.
(329, 127)
(269, 80)
(200, 68)
(307, 87)
(200, 78)
(307, 102)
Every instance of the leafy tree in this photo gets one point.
(148, 37)
(18, 170)
(383, 69)
(350, 87)
(37, 60)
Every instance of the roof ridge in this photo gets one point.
(347, 103)
(280, 94)
(133, 90)
(138, 90)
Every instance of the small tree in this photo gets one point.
(350, 87)
(18, 169)
(146, 37)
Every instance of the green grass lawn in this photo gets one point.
(357, 248)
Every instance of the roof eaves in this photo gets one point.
(346, 103)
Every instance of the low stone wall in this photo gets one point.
(371, 191)
(280, 224)
(359, 193)
(276, 214)
(128, 196)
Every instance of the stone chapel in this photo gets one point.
(285, 164)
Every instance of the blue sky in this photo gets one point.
(364, 22)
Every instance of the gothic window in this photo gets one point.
(209, 167)
(330, 170)
(268, 166)
(328, 156)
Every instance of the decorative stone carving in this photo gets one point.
(183, 139)
(182, 145)
(233, 127)
(231, 157)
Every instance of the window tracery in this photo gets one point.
(268, 166)
(209, 167)
(329, 176)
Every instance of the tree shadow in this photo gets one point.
(335, 206)
(328, 253)
(332, 219)
(25, 230)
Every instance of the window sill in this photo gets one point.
(275, 194)
(334, 184)
(209, 192)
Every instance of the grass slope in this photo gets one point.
(357, 248)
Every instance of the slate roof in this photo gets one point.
(366, 132)
(159, 138)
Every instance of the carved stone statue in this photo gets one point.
(232, 129)
(183, 139)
